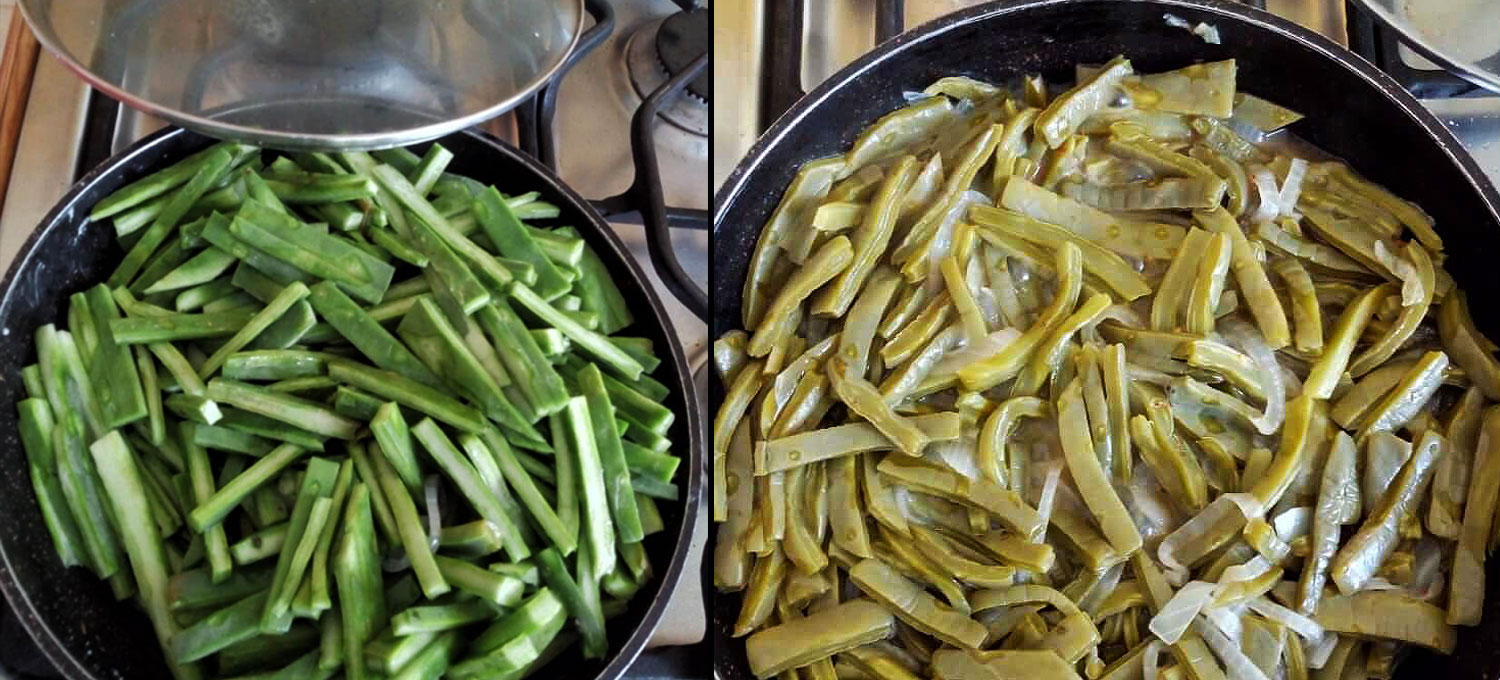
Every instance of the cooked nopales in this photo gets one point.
(1115, 380)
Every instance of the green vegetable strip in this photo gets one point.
(450, 277)
(638, 406)
(368, 474)
(615, 472)
(257, 324)
(84, 494)
(214, 166)
(323, 256)
(314, 504)
(399, 247)
(530, 495)
(409, 393)
(216, 545)
(1251, 277)
(36, 427)
(306, 188)
(294, 411)
(513, 240)
(437, 343)
(427, 172)
(316, 585)
(213, 511)
(352, 403)
(596, 286)
(116, 380)
(489, 474)
(441, 617)
(276, 364)
(492, 587)
(195, 588)
(391, 431)
(410, 528)
(216, 231)
(466, 478)
(432, 661)
(225, 439)
(487, 269)
(1324, 375)
(593, 343)
(145, 330)
(143, 546)
(155, 418)
(599, 531)
(530, 371)
(199, 269)
(356, 570)
(233, 624)
(69, 389)
(164, 180)
(367, 335)
(560, 582)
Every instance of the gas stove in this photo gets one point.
(781, 48)
(579, 124)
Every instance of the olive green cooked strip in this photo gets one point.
(1203, 298)
(1324, 376)
(1093, 482)
(868, 242)
(800, 449)
(1254, 285)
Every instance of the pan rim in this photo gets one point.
(622, 656)
(812, 103)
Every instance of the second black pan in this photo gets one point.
(73, 616)
(1353, 111)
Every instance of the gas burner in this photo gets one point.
(681, 39)
(662, 49)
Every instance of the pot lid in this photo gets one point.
(313, 74)
(1462, 36)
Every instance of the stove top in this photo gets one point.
(580, 126)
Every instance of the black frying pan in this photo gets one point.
(1353, 111)
(73, 616)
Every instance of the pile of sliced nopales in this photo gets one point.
(1113, 381)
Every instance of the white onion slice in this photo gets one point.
(1237, 666)
(1190, 532)
(1174, 619)
(1049, 497)
(1249, 340)
(1270, 197)
(434, 513)
(1293, 523)
(1318, 652)
(942, 239)
(1291, 189)
(1256, 567)
(1229, 620)
(1403, 269)
(984, 348)
(960, 455)
(1295, 621)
